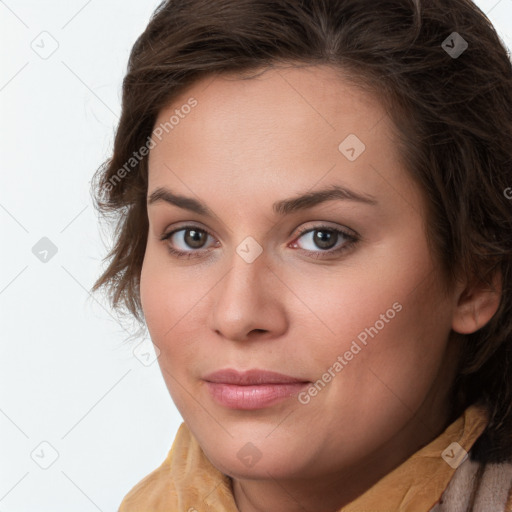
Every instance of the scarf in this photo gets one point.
(436, 478)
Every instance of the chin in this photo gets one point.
(261, 470)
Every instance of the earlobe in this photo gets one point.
(476, 306)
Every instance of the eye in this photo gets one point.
(190, 237)
(325, 240)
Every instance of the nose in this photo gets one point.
(248, 302)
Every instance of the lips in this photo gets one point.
(251, 389)
(251, 377)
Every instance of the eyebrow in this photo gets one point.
(282, 207)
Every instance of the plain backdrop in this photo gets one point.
(83, 417)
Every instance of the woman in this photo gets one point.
(315, 227)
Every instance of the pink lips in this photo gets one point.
(252, 389)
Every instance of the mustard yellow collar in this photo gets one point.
(187, 481)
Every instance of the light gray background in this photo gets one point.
(67, 380)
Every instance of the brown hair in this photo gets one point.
(453, 120)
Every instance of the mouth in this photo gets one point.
(252, 389)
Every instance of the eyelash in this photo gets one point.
(351, 240)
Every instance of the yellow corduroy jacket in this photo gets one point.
(430, 480)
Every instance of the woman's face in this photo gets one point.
(275, 283)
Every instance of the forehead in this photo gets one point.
(290, 103)
(286, 128)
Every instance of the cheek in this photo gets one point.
(165, 294)
(173, 301)
(389, 323)
(167, 304)
(152, 284)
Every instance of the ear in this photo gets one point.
(476, 304)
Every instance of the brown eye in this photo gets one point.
(187, 242)
(325, 239)
(195, 238)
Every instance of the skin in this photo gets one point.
(244, 146)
